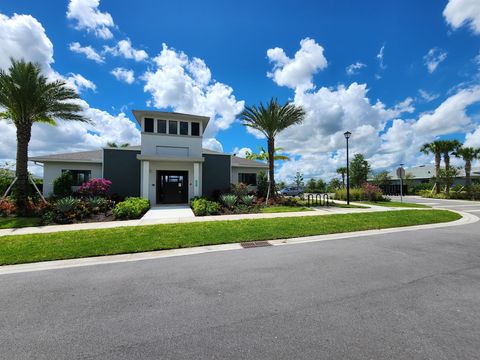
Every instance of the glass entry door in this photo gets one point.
(172, 187)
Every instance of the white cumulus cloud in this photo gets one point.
(90, 18)
(433, 58)
(88, 51)
(185, 85)
(124, 75)
(80, 83)
(297, 72)
(354, 69)
(242, 152)
(463, 12)
(124, 48)
(427, 96)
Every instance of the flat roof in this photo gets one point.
(168, 115)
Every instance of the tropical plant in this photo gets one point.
(98, 204)
(131, 208)
(262, 184)
(343, 172)
(202, 207)
(263, 155)
(115, 145)
(228, 200)
(298, 179)
(270, 120)
(467, 154)
(62, 185)
(448, 147)
(66, 204)
(435, 148)
(359, 170)
(26, 97)
(446, 177)
(239, 189)
(247, 199)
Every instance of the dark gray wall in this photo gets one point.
(122, 168)
(215, 174)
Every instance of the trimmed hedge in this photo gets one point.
(131, 208)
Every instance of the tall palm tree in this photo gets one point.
(28, 97)
(342, 171)
(467, 154)
(448, 147)
(270, 120)
(263, 155)
(435, 148)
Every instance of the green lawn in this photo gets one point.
(77, 244)
(18, 222)
(281, 209)
(396, 204)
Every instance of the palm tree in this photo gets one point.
(467, 154)
(113, 144)
(342, 171)
(448, 147)
(28, 97)
(263, 155)
(436, 148)
(270, 120)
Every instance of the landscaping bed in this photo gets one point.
(76, 244)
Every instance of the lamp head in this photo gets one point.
(347, 134)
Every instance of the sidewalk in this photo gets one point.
(172, 220)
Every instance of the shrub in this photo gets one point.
(68, 209)
(356, 194)
(95, 187)
(239, 190)
(242, 209)
(131, 208)
(228, 200)
(62, 186)
(98, 204)
(371, 192)
(247, 199)
(262, 184)
(66, 204)
(7, 207)
(202, 207)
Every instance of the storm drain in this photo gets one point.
(254, 244)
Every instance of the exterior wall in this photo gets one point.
(150, 141)
(122, 168)
(164, 165)
(237, 170)
(216, 175)
(52, 170)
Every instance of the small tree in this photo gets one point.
(334, 185)
(343, 172)
(262, 184)
(359, 170)
(298, 180)
(311, 185)
(62, 185)
(382, 178)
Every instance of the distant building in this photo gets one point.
(423, 174)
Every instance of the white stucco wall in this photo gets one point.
(237, 170)
(52, 170)
(151, 141)
(178, 166)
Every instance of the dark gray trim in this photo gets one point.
(215, 174)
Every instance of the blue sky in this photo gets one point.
(427, 73)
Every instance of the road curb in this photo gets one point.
(466, 219)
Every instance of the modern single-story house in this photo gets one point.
(170, 165)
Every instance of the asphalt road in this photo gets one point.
(408, 295)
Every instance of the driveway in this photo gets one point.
(406, 295)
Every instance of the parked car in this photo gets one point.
(292, 191)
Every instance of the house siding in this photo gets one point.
(216, 174)
(122, 168)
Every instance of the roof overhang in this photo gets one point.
(165, 115)
(47, 160)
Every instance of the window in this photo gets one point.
(79, 176)
(247, 178)
(148, 125)
(195, 129)
(183, 128)
(172, 127)
(162, 126)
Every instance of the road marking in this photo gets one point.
(112, 259)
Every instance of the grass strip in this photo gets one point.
(396, 204)
(18, 222)
(84, 243)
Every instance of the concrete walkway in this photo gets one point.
(174, 211)
(154, 218)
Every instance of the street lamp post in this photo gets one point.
(347, 136)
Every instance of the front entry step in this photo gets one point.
(170, 211)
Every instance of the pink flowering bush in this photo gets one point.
(372, 192)
(95, 187)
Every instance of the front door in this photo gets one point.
(172, 187)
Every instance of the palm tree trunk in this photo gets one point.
(468, 170)
(271, 164)
(343, 179)
(446, 158)
(22, 187)
(438, 159)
